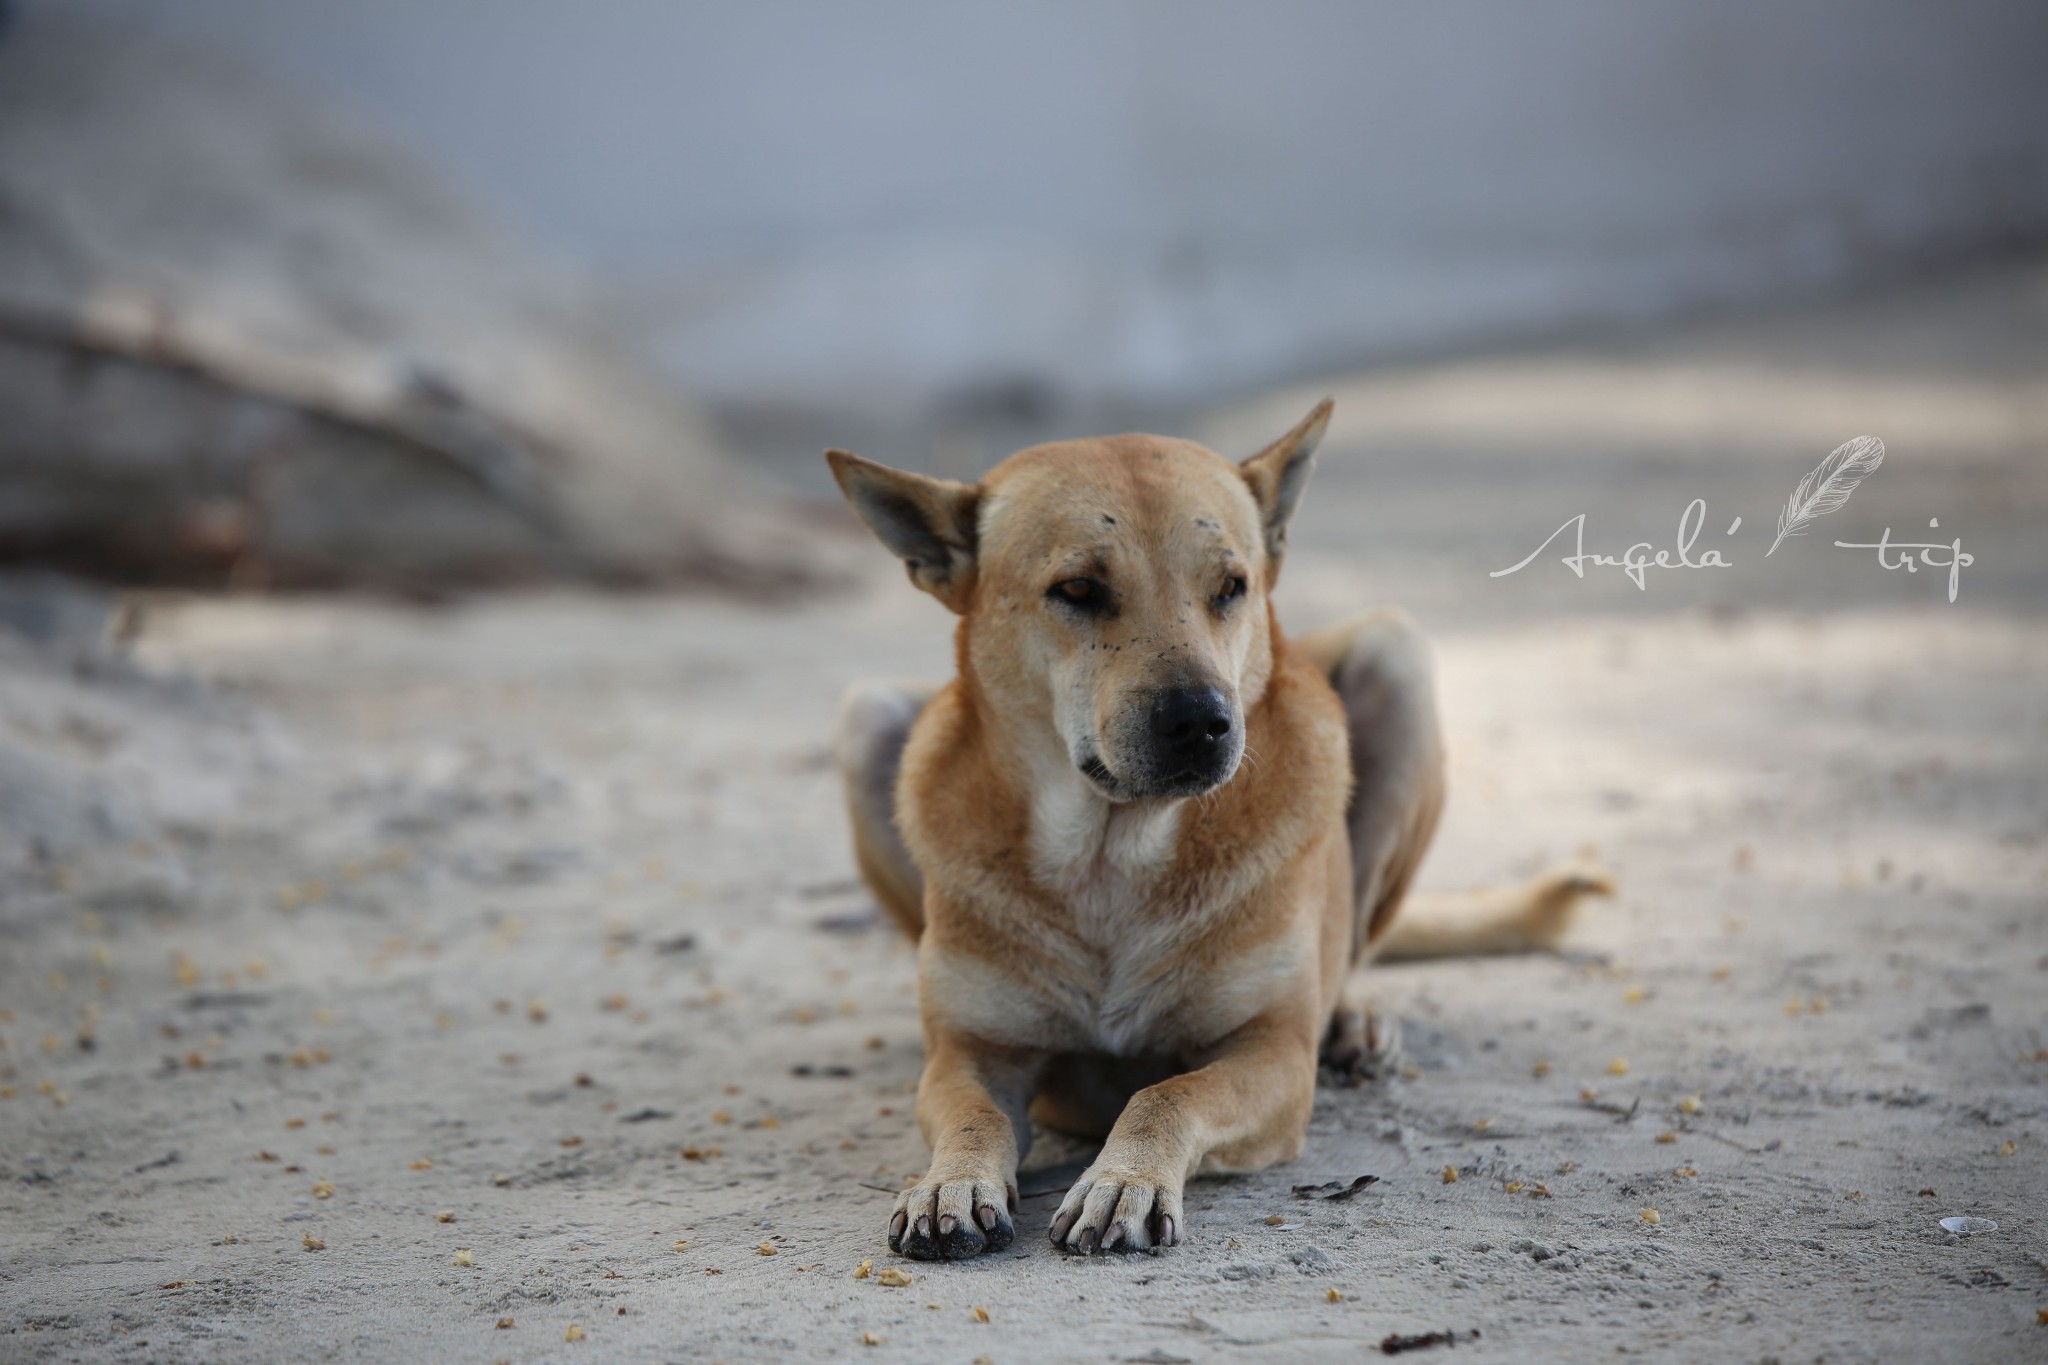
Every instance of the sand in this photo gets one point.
(389, 982)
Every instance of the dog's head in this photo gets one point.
(1114, 593)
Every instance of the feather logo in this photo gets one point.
(1828, 486)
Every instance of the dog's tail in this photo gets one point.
(1530, 918)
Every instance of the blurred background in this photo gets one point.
(495, 242)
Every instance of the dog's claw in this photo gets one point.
(918, 1244)
(1001, 1231)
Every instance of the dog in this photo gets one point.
(1144, 842)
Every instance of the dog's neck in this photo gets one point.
(1080, 838)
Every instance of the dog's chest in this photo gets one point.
(1122, 989)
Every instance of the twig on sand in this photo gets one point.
(1738, 1146)
(1622, 1115)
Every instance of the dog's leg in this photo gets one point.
(1380, 666)
(971, 1104)
(1246, 1107)
(874, 722)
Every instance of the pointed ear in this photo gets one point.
(1279, 473)
(927, 523)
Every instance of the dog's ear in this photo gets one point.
(927, 523)
(1279, 473)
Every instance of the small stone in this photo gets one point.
(1312, 1261)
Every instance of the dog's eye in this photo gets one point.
(1233, 588)
(1085, 593)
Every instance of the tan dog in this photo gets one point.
(1142, 839)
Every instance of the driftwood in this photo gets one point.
(243, 340)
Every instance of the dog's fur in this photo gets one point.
(1127, 927)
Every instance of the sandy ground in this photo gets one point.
(405, 983)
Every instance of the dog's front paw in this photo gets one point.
(952, 1219)
(1115, 1210)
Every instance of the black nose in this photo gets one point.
(1190, 720)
